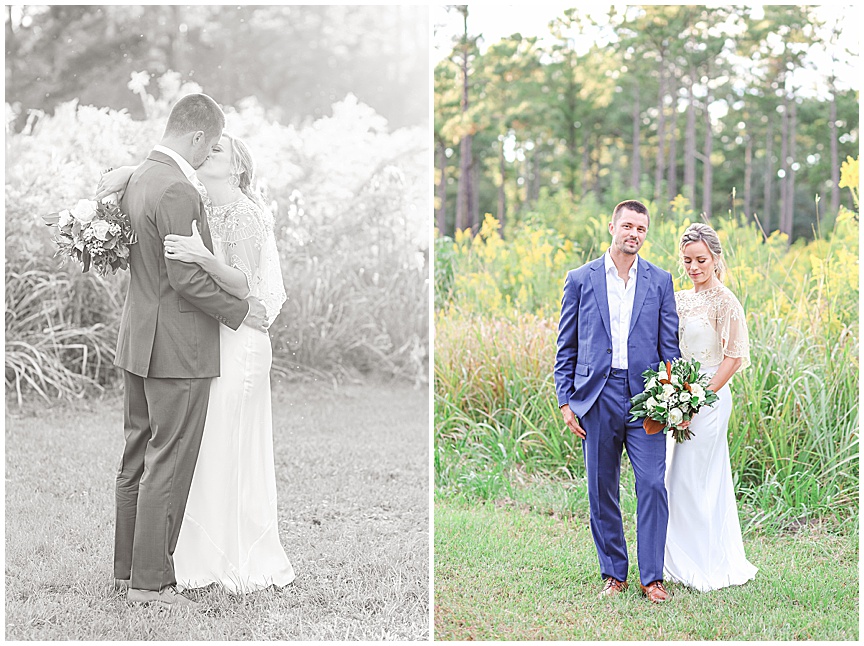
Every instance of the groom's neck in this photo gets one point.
(179, 146)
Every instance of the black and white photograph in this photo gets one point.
(217, 350)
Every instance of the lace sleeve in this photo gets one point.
(242, 239)
(732, 326)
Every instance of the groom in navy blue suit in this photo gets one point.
(618, 319)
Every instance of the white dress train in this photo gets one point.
(704, 549)
(230, 533)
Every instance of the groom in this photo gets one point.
(618, 319)
(168, 346)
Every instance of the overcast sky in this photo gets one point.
(498, 21)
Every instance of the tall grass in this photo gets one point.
(794, 430)
(349, 201)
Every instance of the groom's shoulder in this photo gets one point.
(155, 173)
(591, 265)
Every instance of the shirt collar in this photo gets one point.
(184, 165)
(609, 264)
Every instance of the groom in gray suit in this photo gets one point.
(168, 347)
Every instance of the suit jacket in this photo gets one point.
(584, 356)
(170, 321)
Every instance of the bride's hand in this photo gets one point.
(187, 248)
(114, 181)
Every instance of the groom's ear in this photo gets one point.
(198, 137)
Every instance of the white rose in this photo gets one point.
(675, 380)
(668, 391)
(101, 229)
(697, 391)
(676, 416)
(84, 211)
(651, 383)
(65, 218)
(650, 402)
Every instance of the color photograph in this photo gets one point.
(646, 354)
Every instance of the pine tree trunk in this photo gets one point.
(708, 170)
(465, 192)
(466, 163)
(784, 154)
(835, 158)
(672, 170)
(769, 176)
(661, 134)
(635, 165)
(476, 220)
(690, 142)
(790, 189)
(441, 189)
(572, 99)
(586, 162)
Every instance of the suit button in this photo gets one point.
(609, 351)
(604, 375)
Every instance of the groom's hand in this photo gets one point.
(257, 316)
(570, 420)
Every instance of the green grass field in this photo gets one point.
(352, 473)
(524, 570)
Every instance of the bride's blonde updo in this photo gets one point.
(243, 169)
(700, 232)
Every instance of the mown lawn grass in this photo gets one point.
(526, 569)
(352, 477)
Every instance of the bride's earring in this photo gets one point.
(234, 180)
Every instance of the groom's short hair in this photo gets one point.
(633, 205)
(195, 112)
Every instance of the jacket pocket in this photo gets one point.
(582, 369)
(185, 306)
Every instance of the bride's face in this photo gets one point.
(218, 165)
(699, 263)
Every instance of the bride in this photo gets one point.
(704, 549)
(230, 534)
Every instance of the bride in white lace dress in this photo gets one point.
(230, 534)
(704, 549)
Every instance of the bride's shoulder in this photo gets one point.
(727, 298)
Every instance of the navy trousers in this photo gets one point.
(608, 431)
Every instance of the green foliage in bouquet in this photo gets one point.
(96, 234)
(673, 394)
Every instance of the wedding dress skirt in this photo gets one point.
(704, 549)
(230, 533)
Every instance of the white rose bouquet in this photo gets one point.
(96, 234)
(671, 398)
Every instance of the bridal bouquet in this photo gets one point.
(96, 234)
(671, 398)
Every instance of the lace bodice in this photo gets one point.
(711, 326)
(242, 234)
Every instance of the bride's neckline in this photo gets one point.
(705, 291)
(222, 206)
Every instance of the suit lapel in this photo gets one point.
(598, 281)
(203, 227)
(641, 291)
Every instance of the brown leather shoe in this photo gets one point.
(612, 587)
(656, 592)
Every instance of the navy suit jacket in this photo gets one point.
(584, 356)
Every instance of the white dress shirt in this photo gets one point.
(620, 297)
